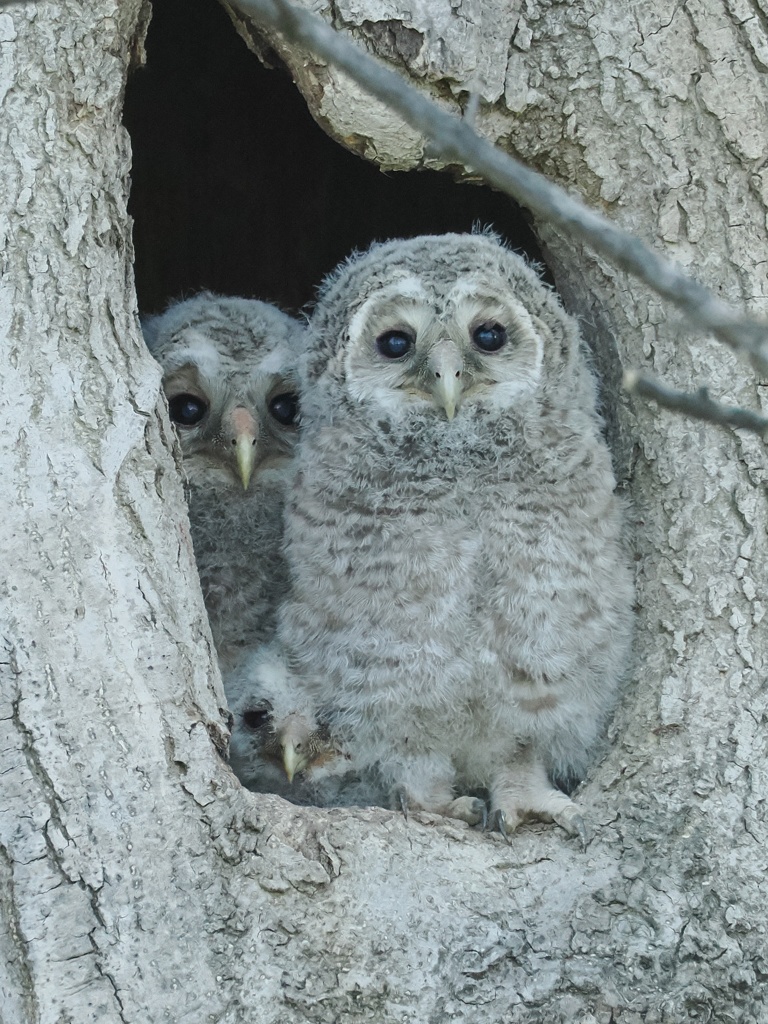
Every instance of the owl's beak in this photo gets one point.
(446, 368)
(293, 740)
(246, 433)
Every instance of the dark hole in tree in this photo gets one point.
(236, 189)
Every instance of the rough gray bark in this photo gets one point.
(107, 677)
(138, 881)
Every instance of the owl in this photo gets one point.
(229, 377)
(278, 745)
(460, 605)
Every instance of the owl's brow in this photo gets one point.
(385, 299)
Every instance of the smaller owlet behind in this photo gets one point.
(278, 745)
(228, 374)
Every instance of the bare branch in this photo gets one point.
(697, 404)
(455, 140)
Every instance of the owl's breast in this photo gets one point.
(383, 584)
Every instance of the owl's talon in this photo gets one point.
(584, 833)
(483, 823)
(498, 823)
(399, 794)
(575, 825)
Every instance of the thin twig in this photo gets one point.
(455, 140)
(696, 403)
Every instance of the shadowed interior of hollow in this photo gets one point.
(235, 188)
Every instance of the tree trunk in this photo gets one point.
(138, 881)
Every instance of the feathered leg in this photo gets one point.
(521, 788)
(427, 784)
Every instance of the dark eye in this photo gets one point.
(255, 718)
(489, 337)
(187, 409)
(284, 408)
(394, 344)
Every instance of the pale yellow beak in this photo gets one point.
(293, 761)
(246, 435)
(294, 737)
(446, 370)
(246, 457)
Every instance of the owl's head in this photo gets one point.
(273, 717)
(229, 377)
(440, 321)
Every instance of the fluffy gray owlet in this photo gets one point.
(460, 606)
(278, 746)
(228, 372)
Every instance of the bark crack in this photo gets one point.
(107, 975)
(41, 776)
(12, 925)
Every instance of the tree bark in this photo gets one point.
(138, 881)
(108, 681)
